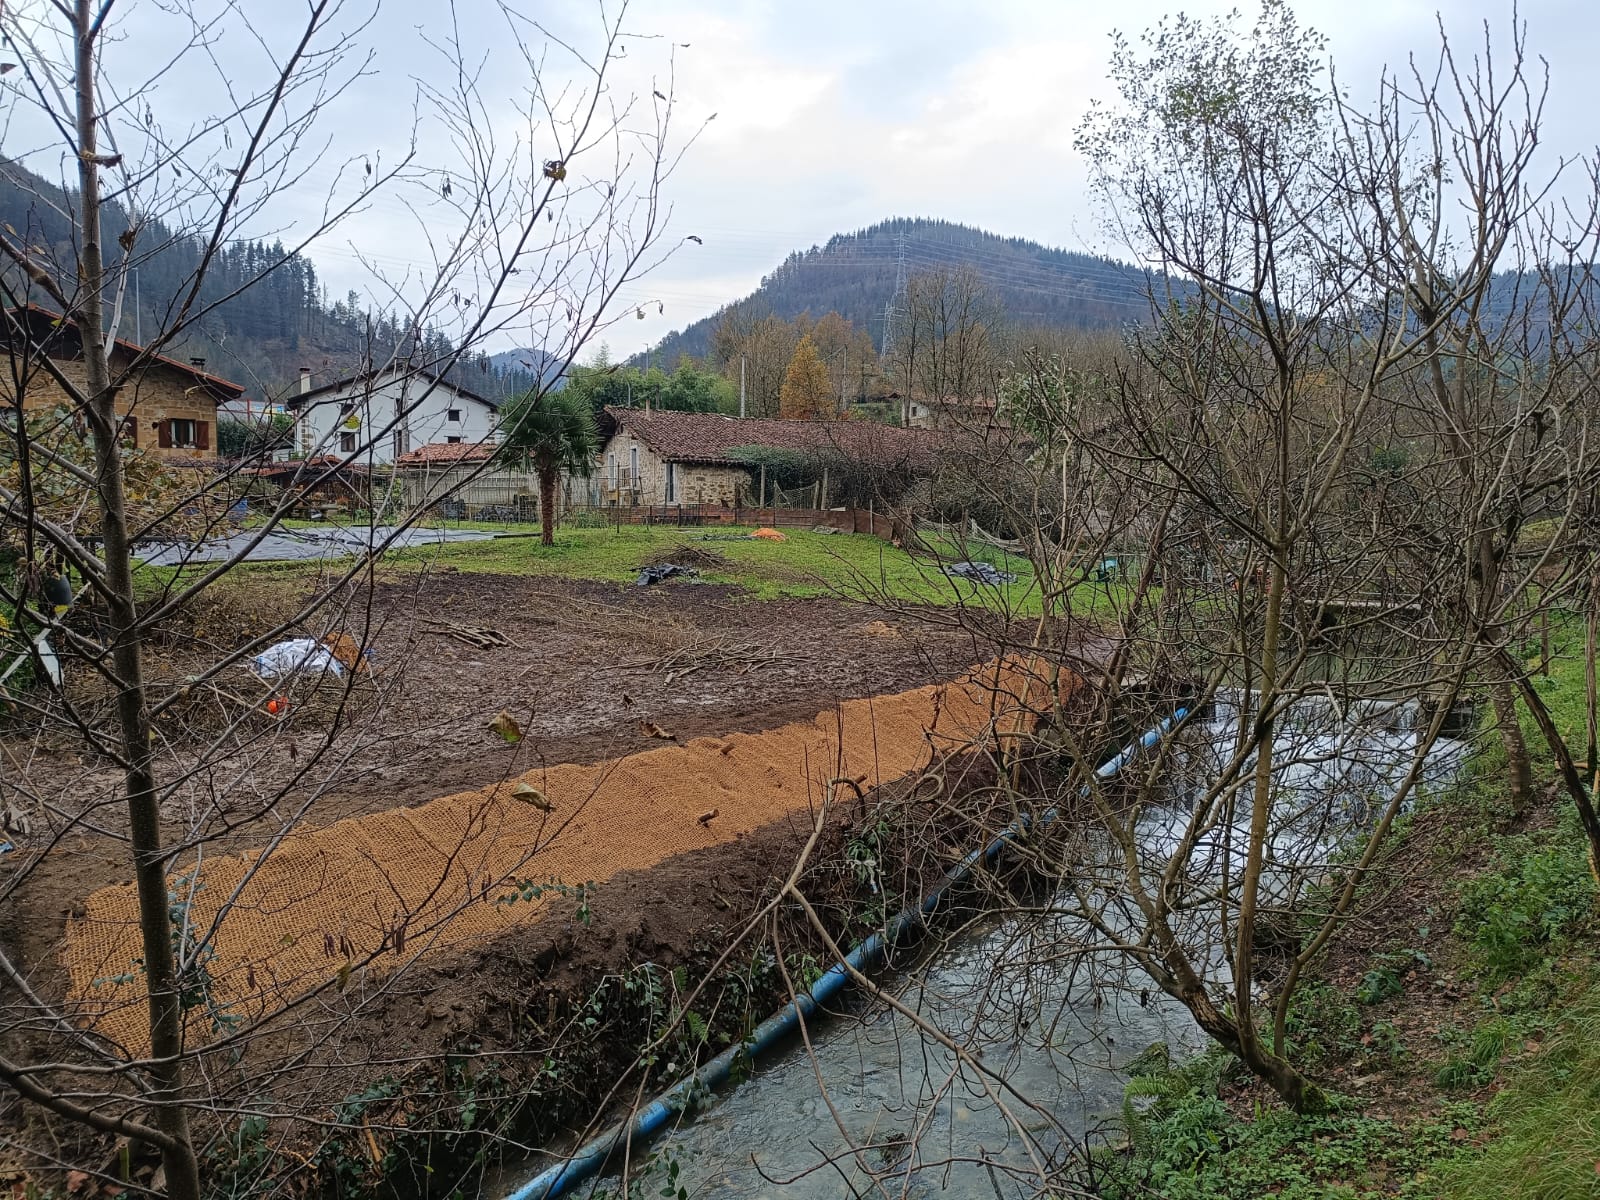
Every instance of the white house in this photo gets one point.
(383, 414)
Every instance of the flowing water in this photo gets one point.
(875, 1095)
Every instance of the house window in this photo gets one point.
(183, 434)
(453, 415)
(633, 466)
(672, 483)
(347, 443)
(611, 470)
(452, 441)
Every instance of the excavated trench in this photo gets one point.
(365, 896)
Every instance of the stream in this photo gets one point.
(876, 1094)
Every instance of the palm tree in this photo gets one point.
(555, 433)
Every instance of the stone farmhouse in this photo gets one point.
(955, 412)
(380, 416)
(665, 457)
(168, 408)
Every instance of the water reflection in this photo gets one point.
(878, 1096)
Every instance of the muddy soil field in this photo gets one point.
(587, 672)
(591, 665)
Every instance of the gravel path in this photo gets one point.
(304, 545)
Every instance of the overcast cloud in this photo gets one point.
(832, 115)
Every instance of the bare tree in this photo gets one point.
(945, 350)
(1500, 389)
(528, 227)
(1295, 506)
(1281, 475)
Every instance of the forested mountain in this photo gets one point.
(261, 337)
(530, 364)
(286, 318)
(855, 275)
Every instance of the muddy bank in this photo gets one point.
(368, 895)
(490, 1053)
(585, 667)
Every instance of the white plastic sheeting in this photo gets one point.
(296, 654)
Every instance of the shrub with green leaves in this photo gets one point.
(1538, 895)
(1185, 1144)
(1323, 1022)
(1171, 1111)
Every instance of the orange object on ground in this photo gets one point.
(769, 535)
(277, 706)
(347, 650)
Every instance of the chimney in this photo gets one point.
(198, 363)
(305, 380)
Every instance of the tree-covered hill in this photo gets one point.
(260, 337)
(854, 274)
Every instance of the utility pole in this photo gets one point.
(893, 306)
(741, 385)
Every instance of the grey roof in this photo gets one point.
(359, 381)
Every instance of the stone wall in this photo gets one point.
(709, 485)
(692, 483)
(159, 395)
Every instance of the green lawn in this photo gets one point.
(805, 564)
(1563, 687)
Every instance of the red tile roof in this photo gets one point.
(291, 467)
(219, 388)
(446, 454)
(710, 438)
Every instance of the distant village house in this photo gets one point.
(168, 408)
(383, 415)
(665, 457)
(954, 412)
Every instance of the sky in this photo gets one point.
(828, 115)
(845, 114)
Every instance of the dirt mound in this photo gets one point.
(697, 557)
(331, 906)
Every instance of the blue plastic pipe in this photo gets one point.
(652, 1118)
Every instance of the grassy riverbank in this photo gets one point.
(1455, 1028)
